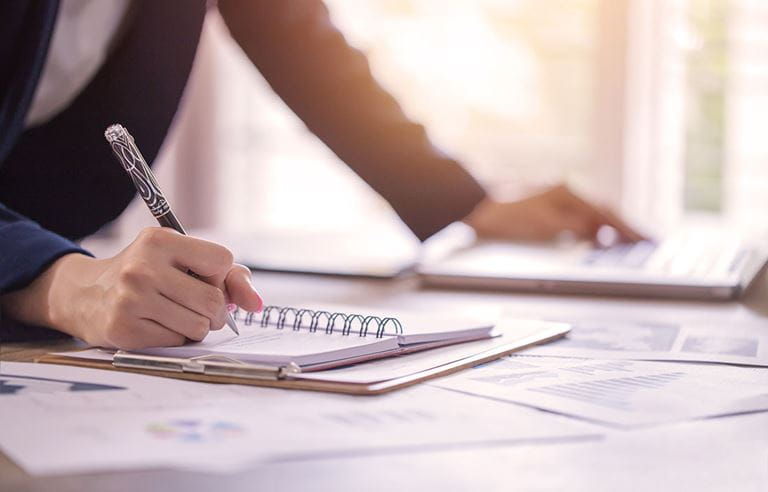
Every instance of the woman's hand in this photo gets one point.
(142, 297)
(545, 216)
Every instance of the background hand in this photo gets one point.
(544, 216)
(141, 297)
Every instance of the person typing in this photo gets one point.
(58, 183)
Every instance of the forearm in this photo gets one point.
(141, 297)
(329, 85)
(39, 303)
(27, 255)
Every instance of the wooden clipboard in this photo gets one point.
(553, 331)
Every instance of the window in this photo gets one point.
(704, 41)
(696, 96)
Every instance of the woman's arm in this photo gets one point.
(141, 297)
(26, 250)
(329, 85)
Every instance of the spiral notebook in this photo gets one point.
(330, 350)
(287, 339)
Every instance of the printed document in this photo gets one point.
(62, 419)
(638, 340)
(617, 392)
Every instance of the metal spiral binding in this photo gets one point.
(280, 317)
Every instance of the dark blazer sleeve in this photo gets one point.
(26, 250)
(329, 85)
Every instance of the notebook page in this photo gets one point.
(269, 345)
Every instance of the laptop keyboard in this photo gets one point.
(684, 255)
(621, 255)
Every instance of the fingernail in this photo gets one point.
(231, 307)
(258, 296)
(261, 302)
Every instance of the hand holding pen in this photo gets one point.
(144, 296)
(188, 276)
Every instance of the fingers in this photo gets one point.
(626, 232)
(241, 291)
(590, 218)
(142, 333)
(195, 295)
(582, 226)
(218, 276)
(544, 217)
(140, 316)
(543, 226)
(148, 286)
(150, 333)
(210, 301)
(203, 257)
(178, 318)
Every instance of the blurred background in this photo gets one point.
(657, 108)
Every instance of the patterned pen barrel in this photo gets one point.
(129, 156)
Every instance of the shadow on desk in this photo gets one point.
(756, 298)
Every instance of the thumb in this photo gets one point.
(240, 289)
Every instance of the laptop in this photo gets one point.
(693, 263)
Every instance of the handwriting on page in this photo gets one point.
(250, 340)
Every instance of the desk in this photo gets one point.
(718, 454)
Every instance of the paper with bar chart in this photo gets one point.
(650, 340)
(617, 392)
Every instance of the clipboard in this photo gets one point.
(230, 371)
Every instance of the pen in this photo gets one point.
(126, 151)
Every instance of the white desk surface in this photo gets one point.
(717, 454)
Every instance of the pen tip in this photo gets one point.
(232, 325)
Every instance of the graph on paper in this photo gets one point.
(15, 385)
(612, 393)
(193, 430)
(639, 340)
(618, 392)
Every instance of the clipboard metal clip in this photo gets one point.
(209, 365)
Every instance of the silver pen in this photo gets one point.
(129, 156)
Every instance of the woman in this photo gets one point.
(58, 182)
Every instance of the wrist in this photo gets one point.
(478, 218)
(61, 286)
(46, 301)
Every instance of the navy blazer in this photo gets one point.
(55, 186)
(58, 181)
